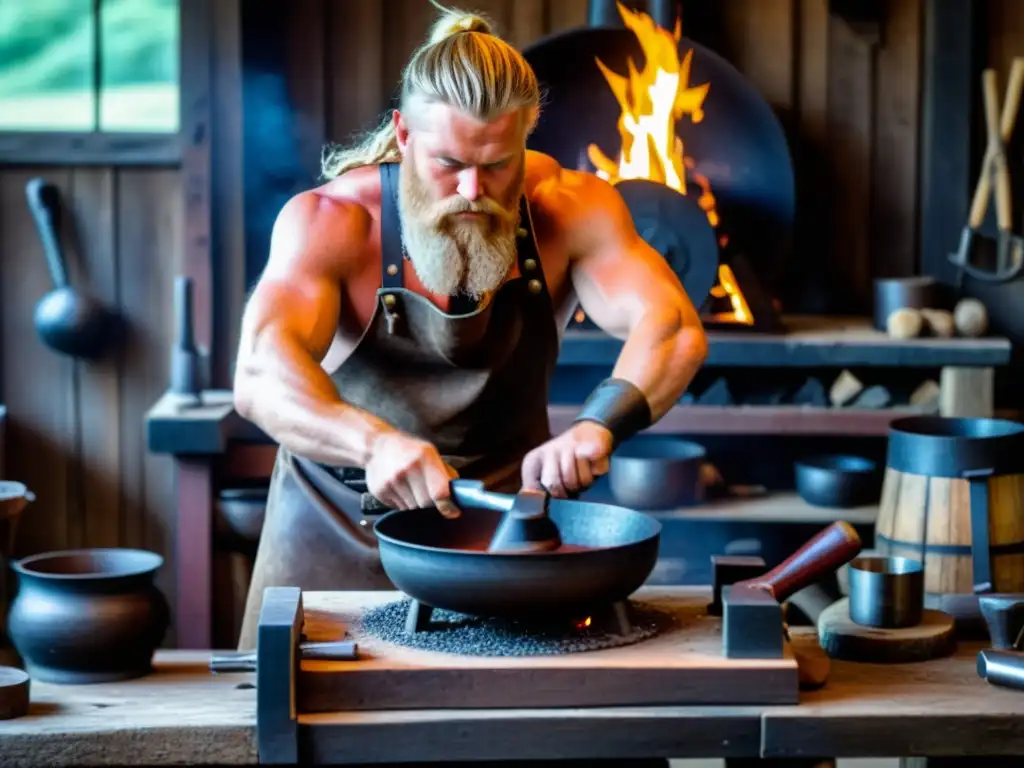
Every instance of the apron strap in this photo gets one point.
(391, 250)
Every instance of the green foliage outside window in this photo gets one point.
(47, 66)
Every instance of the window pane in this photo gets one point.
(139, 44)
(46, 65)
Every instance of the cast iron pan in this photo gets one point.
(606, 554)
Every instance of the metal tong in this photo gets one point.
(1009, 255)
(245, 661)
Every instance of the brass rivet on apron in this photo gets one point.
(535, 286)
(392, 269)
(530, 264)
(521, 232)
(389, 300)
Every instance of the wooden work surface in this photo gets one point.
(682, 665)
(180, 714)
(184, 715)
(934, 708)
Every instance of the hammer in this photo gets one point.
(1009, 247)
(1004, 616)
(752, 625)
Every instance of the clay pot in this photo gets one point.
(88, 615)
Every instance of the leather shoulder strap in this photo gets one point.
(391, 251)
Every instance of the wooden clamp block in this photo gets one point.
(752, 626)
(277, 642)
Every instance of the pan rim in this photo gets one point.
(653, 536)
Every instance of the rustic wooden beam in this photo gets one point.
(196, 108)
(951, 68)
(193, 609)
(89, 149)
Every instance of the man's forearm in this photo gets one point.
(661, 356)
(291, 398)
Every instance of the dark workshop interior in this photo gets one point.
(834, 176)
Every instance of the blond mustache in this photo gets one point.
(457, 204)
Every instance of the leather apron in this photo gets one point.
(474, 384)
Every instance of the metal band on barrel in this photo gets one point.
(619, 406)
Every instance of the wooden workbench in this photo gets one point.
(184, 715)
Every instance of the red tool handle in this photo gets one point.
(834, 546)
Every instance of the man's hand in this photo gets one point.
(405, 472)
(569, 462)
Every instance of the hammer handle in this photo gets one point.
(821, 555)
(1008, 122)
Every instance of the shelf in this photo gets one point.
(810, 342)
(210, 427)
(759, 420)
(771, 508)
(781, 507)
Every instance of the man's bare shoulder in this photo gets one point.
(328, 227)
(572, 198)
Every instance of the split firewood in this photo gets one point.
(926, 397)
(844, 389)
(709, 476)
(811, 392)
(970, 317)
(875, 396)
(905, 323)
(938, 322)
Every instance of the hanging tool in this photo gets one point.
(1009, 248)
(69, 321)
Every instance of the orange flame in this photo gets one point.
(653, 100)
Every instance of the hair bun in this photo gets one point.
(453, 22)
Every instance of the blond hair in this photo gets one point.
(462, 64)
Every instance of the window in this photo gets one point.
(88, 66)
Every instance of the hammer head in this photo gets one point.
(752, 626)
(1004, 616)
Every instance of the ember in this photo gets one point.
(476, 636)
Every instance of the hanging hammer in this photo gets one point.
(1009, 257)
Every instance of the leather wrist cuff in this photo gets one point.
(619, 406)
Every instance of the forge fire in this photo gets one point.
(652, 101)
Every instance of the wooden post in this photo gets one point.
(193, 618)
(967, 392)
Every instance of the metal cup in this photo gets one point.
(886, 592)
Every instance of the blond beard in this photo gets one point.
(452, 255)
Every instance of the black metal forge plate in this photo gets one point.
(739, 146)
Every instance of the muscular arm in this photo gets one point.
(630, 292)
(287, 328)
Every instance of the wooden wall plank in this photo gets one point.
(1006, 36)
(524, 22)
(38, 384)
(228, 226)
(151, 239)
(896, 129)
(565, 14)
(196, 112)
(307, 73)
(809, 145)
(357, 94)
(850, 120)
(760, 44)
(408, 24)
(97, 517)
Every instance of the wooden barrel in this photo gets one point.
(953, 499)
